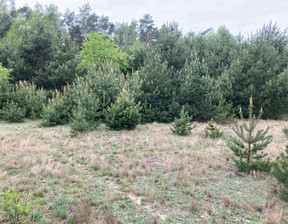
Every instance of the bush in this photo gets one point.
(212, 131)
(29, 97)
(248, 148)
(13, 113)
(124, 113)
(280, 171)
(182, 125)
(57, 111)
(18, 208)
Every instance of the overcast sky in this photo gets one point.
(192, 15)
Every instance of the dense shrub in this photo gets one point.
(58, 109)
(13, 112)
(18, 208)
(29, 97)
(124, 113)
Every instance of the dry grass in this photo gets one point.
(149, 173)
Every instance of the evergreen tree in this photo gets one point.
(7, 13)
(222, 50)
(198, 92)
(86, 113)
(182, 125)
(38, 52)
(126, 35)
(147, 30)
(124, 113)
(212, 131)
(248, 148)
(156, 89)
(280, 171)
(86, 21)
(255, 72)
(172, 45)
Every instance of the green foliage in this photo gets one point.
(37, 50)
(285, 131)
(156, 91)
(257, 72)
(89, 95)
(58, 109)
(86, 114)
(280, 171)
(5, 88)
(221, 50)
(106, 82)
(212, 131)
(248, 148)
(124, 113)
(27, 96)
(147, 30)
(182, 125)
(61, 212)
(198, 92)
(126, 35)
(18, 208)
(13, 112)
(99, 48)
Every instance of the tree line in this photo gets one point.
(211, 74)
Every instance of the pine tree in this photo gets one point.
(212, 131)
(198, 92)
(124, 113)
(280, 171)
(86, 114)
(182, 125)
(156, 89)
(248, 148)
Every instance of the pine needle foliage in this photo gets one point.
(212, 131)
(12, 112)
(280, 171)
(247, 147)
(124, 113)
(182, 125)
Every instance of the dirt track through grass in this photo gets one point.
(148, 175)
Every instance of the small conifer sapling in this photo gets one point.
(182, 125)
(247, 147)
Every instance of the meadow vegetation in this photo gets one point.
(147, 175)
(106, 123)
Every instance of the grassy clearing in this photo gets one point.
(148, 175)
